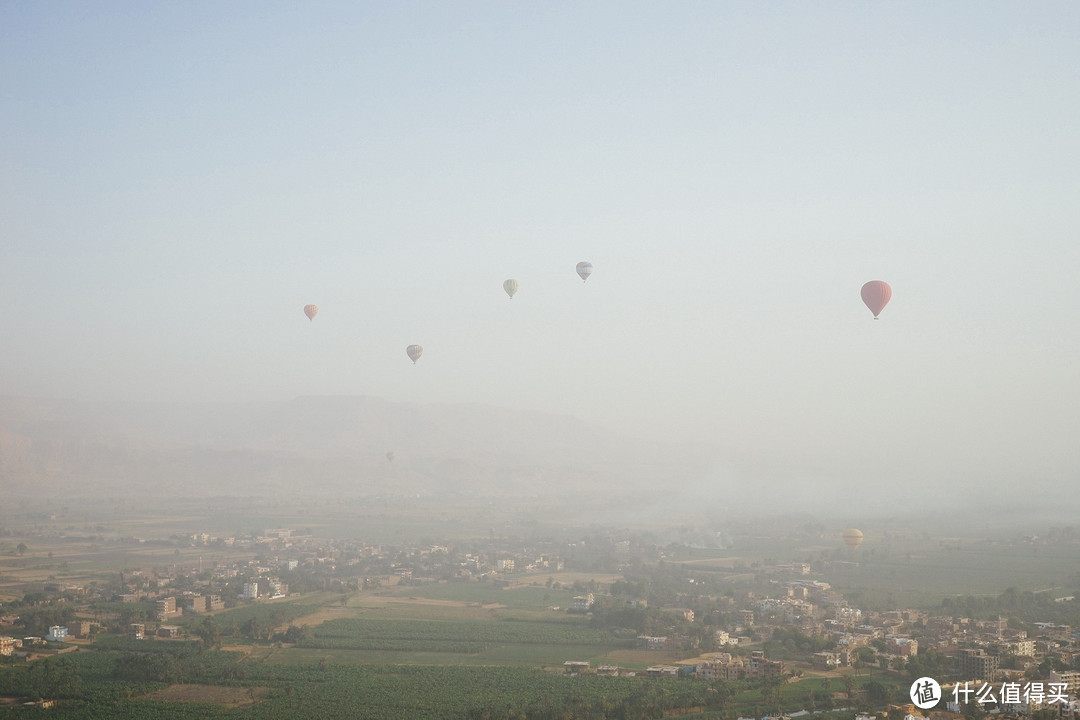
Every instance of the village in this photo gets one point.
(770, 624)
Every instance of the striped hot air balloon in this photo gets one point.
(584, 269)
(511, 286)
(311, 311)
(414, 352)
(876, 294)
(852, 538)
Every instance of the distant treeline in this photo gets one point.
(1022, 606)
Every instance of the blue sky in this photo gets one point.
(179, 179)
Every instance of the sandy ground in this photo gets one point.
(443, 603)
(318, 617)
(333, 613)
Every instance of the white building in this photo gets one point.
(57, 633)
(251, 590)
(584, 602)
(847, 615)
(1023, 648)
(722, 638)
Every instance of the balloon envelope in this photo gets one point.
(876, 294)
(311, 311)
(853, 538)
(414, 352)
(584, 269)
(511, 287)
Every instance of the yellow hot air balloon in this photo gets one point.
(511, 286)
(414, 352)
(852, 538)
(311, 311)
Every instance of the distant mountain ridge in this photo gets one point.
(313, 445)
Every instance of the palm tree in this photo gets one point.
(771, 687)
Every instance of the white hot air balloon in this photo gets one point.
(511, 286)
(584, 269)
(414, 352)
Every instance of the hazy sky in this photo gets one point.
(180, 179)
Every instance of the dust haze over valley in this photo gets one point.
(351, 449)
(319, 447)
(181, 183)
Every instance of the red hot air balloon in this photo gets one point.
(876, 294)
(311, 311)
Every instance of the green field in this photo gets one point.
(99, 684)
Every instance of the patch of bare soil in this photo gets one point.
(246, 649)
(318, 617)
(443, 603)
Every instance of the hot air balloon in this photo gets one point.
(876, 294)
(311, 311)
(584, 269)
(852, 538)
(390, 456)
(511, 287)
(414, 352)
